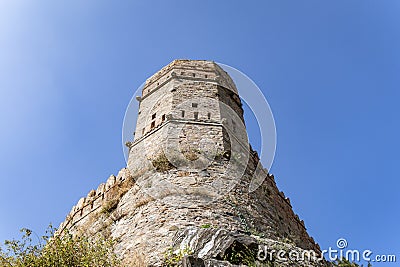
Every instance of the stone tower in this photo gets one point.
(191, 119)
(186, 184)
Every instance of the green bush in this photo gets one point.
(58, 250)
(173, 258)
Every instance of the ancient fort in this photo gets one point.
(184, 196)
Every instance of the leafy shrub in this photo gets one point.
(173, 258)
(61, 251)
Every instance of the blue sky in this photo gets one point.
(329, 70)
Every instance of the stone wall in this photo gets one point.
(148, 224)
(153, 110)
(94, 201)
(190, 70)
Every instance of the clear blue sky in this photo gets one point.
(329, 69)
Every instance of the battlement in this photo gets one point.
(94, 201)
(198, 70)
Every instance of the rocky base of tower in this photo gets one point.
(219, 247)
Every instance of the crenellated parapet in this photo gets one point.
(199, 70)
(94, 200)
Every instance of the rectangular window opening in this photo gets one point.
(196, 115)
(183, 114)
(163, 117)
(194, 105)
(153, 124)
(153, 116)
